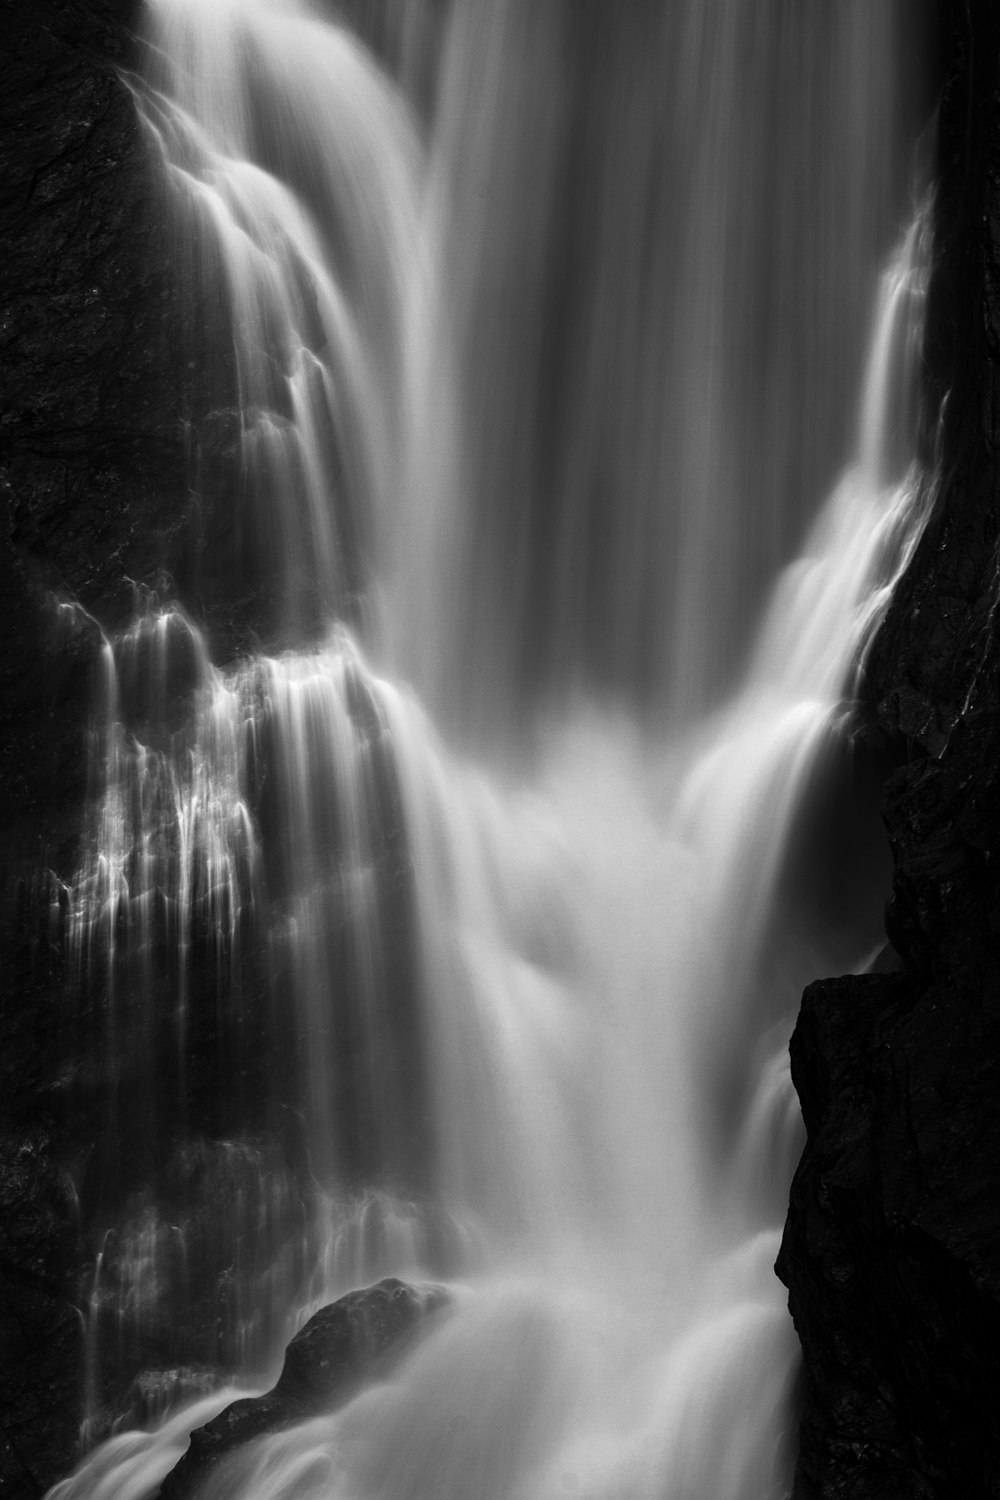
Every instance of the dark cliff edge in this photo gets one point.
(891, 1250)
(92, 462)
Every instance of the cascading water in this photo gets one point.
(549, 379)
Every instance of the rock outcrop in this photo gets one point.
(117, 477)
(91, 463)
(343, 1344)
(892, 1247)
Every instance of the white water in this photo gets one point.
(565, 1085)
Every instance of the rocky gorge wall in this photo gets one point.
(892, 1249)
(92, 462)
(118, 481)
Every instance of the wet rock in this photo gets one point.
(93, 495)
(41, 1330)
(342, 1345)
(891, 1250)
(155, 1394)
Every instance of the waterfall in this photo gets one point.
(458, 931)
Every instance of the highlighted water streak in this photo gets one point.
(297, 167)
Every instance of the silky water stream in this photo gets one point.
(462, 938)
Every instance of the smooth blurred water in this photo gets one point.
(652, 234)
(481, 917)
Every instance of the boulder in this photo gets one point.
(341, 1346)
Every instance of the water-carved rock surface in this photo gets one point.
(350, 1341)
(89, 453)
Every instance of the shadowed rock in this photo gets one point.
(892, 1245)
(325, 1364)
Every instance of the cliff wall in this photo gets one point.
(892, 1244)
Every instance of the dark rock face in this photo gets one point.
(325, 1363)
(41, 1331)
(892, 1245)
(117, 481)
(91, 458)
(92, 462)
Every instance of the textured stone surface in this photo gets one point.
(341, 1345)
(90, 457)
(40, 1327)
(117, 443)
(892, 1245)
(91, 464)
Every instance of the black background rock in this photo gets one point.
(891, 1250)
(88, 452)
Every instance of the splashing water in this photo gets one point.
(515, 1016)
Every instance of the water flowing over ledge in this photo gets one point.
(520, 1023)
